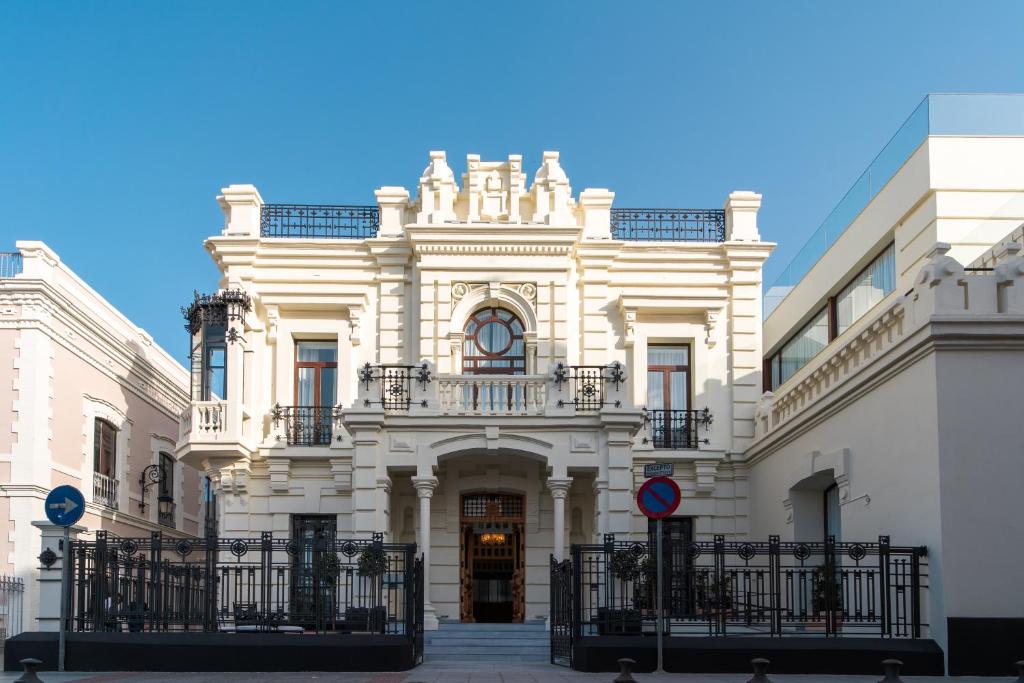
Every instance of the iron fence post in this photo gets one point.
(884, 590)
(266, 576)
(830, 585)
(775, 584)
(409, 587)
(155, 579)
(99, 593)
(721, 591)
(210, 580)
(915, 588)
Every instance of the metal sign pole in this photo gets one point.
(64, 572)
(661, 606)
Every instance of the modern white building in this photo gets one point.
(893, 371)
(87, 399)
(491, 344)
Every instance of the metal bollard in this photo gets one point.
(1020, 671)
(760, 665)
(892, 671)
(31, 666)
(625, 671)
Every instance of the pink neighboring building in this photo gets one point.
(87, 399)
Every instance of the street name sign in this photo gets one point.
(659, 469)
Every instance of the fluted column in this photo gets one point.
(559, 490)
(425, 487)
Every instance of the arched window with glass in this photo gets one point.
(494, 343)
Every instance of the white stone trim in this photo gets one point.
(93, 408)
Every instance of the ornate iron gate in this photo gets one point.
(563, 624)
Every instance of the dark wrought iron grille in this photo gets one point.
(561, 612)
(674, 428)
(319, 221)
(587, 384)
(305, 425)
(719, 588)
(10, 263)
(322, 584)
(12, 594)
(507, 506)
(670, 225)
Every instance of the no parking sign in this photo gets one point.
(658, 497)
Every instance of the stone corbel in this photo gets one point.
(355, 313)
(710, 322)
(280, 473)
(706, 472)
(273, 318)
(787, 506)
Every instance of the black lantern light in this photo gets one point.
(153, 474)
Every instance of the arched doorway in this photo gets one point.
(492, 558)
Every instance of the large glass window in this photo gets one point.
(216, 378)
(807, 343)
(316, 388)
(873, 284)
(104, 448)
(167, 482)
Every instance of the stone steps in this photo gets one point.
(487, 643)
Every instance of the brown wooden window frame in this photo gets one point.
(667, 371)
(104, 434)
(488, 316)
(319, 366)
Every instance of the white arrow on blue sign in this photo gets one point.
(65, 505)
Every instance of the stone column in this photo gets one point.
(50, 576)
(601, 505)
(425, 487)
(559, 490)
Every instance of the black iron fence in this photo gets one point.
(673, 225)
(305, 425)
(319, 221)
(676, 429)
(268, 583)
(395, 383)
(720, 588)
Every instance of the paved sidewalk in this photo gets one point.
(436, 672)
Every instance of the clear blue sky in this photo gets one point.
(120, 121)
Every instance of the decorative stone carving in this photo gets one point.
(710, 321)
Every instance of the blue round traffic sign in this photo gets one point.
(658, 497)
(65, 505)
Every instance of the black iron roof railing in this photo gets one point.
(319, 221)
(670, 225)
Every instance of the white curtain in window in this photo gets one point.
(869, 288)
(804, 346)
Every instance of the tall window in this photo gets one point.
(316, 372)
(167, 483)
(668, 396)
(216, 376)
(494, 344)
(104, 448)
(804, 346)
(668, 377)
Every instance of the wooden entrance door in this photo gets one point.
(492, 558)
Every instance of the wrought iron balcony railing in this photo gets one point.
(677, 429)
(670, 225)
(395, 383)
(305, 425)
(10, 264)
(319, 221)
(587, 384)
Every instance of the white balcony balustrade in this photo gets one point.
(104, 490)
(492, 394)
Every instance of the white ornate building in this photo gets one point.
(491, 345)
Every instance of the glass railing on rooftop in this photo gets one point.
(944, 114)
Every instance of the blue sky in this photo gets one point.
(120, 121)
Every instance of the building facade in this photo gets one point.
(482, 369)
(86, 399)
(893, 371)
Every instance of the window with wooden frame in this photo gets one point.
(494, 344)
(668, 377)
(316, 381)
(104, 448)
(167, 463)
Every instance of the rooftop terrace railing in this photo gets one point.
(945, 114)
(10, 263)
(670, 225)
(312, 221)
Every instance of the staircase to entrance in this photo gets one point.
(454, 642)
